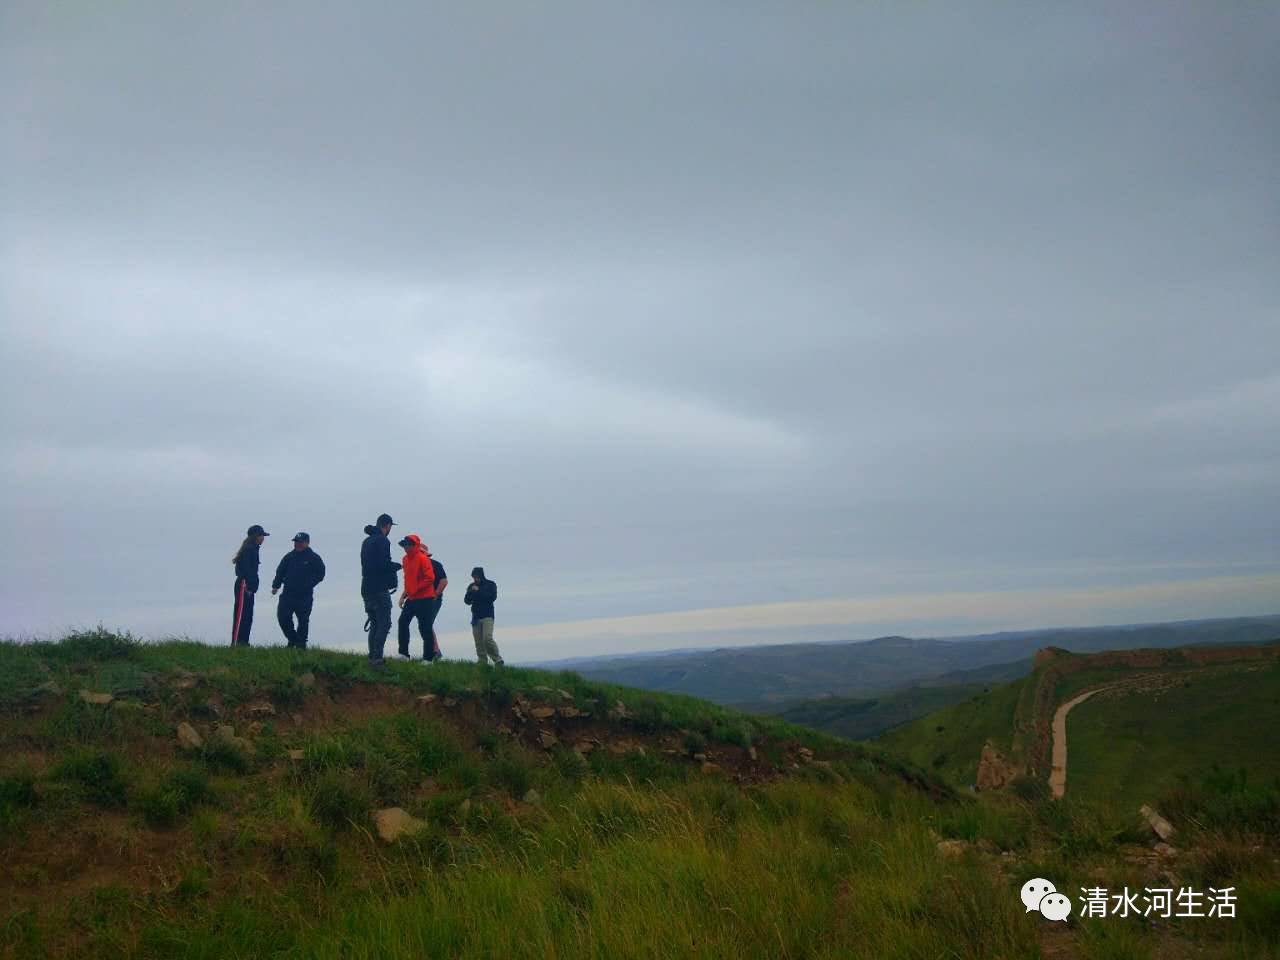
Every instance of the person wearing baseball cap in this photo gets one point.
(377, 582)
(418, 600)
(299, 571)
(246, 563)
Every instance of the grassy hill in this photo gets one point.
(768, 677)
(181, 801)
(949, 741)
(861, 718)
(1164, 716)
(1145, 740)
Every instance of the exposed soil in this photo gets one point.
(57, 862)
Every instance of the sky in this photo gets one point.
(691, 323)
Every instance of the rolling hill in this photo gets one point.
(861, 718)
(770, 678)
(1160, 716)
(187, 802)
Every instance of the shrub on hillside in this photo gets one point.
(97, 644)
(17, 790)
(98, 774)
(513, 773)
(340, 801)
(220, 754)
(1029, 789)
(694, 742)
(175, 795)
(1225, 799)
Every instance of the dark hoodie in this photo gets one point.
(480, 600)
(377, 569)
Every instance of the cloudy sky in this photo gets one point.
(693, 323)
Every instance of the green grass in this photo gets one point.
(949, 741)
(860, 718)
(1134, 746)
(119, 846)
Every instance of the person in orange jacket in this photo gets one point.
(419, 596)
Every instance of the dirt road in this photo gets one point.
(1058, 775)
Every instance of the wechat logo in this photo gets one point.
(1041, 895)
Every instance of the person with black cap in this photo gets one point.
(377, 582)
(246, 562)
(480, 595)
(299, 571)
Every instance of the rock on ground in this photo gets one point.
(188, 738)
(1163, 828)
(393, 823)
(994, 770)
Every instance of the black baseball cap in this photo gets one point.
(384, 519)
(405, 542)
(257, 531)
(302, 536)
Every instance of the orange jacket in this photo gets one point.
(419, 575)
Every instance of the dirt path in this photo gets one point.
(1058, 775)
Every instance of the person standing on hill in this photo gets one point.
(480, 595)
(299, 571)
(442, 581)
(246, 562)
(377, 582)
(419, 596)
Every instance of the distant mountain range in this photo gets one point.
(768, 678)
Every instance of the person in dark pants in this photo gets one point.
(480, 595)
(246, 562)
(377, 582)
(442, 581)
(419, 596)
(299, 571)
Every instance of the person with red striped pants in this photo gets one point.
(246, 561)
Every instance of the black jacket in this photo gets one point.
(299, 572)
(247, 566)
(480, 600)
(377, 569)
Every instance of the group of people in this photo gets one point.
(425, 580)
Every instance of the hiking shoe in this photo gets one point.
(404, 656)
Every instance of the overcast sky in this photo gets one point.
(950, 316)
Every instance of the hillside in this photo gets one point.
(1161, 714)
(766, 678)
(861, 718)
(181, 801)
(1147, 737)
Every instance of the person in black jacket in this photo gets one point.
(480, 595)
(442, 581)
(377, 582)
(299, 571)
(246, 562)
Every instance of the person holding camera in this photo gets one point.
(480, 595)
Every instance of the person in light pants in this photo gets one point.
(480, 595)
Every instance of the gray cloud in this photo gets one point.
(649, 310)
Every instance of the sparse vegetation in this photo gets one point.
(610, 841)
